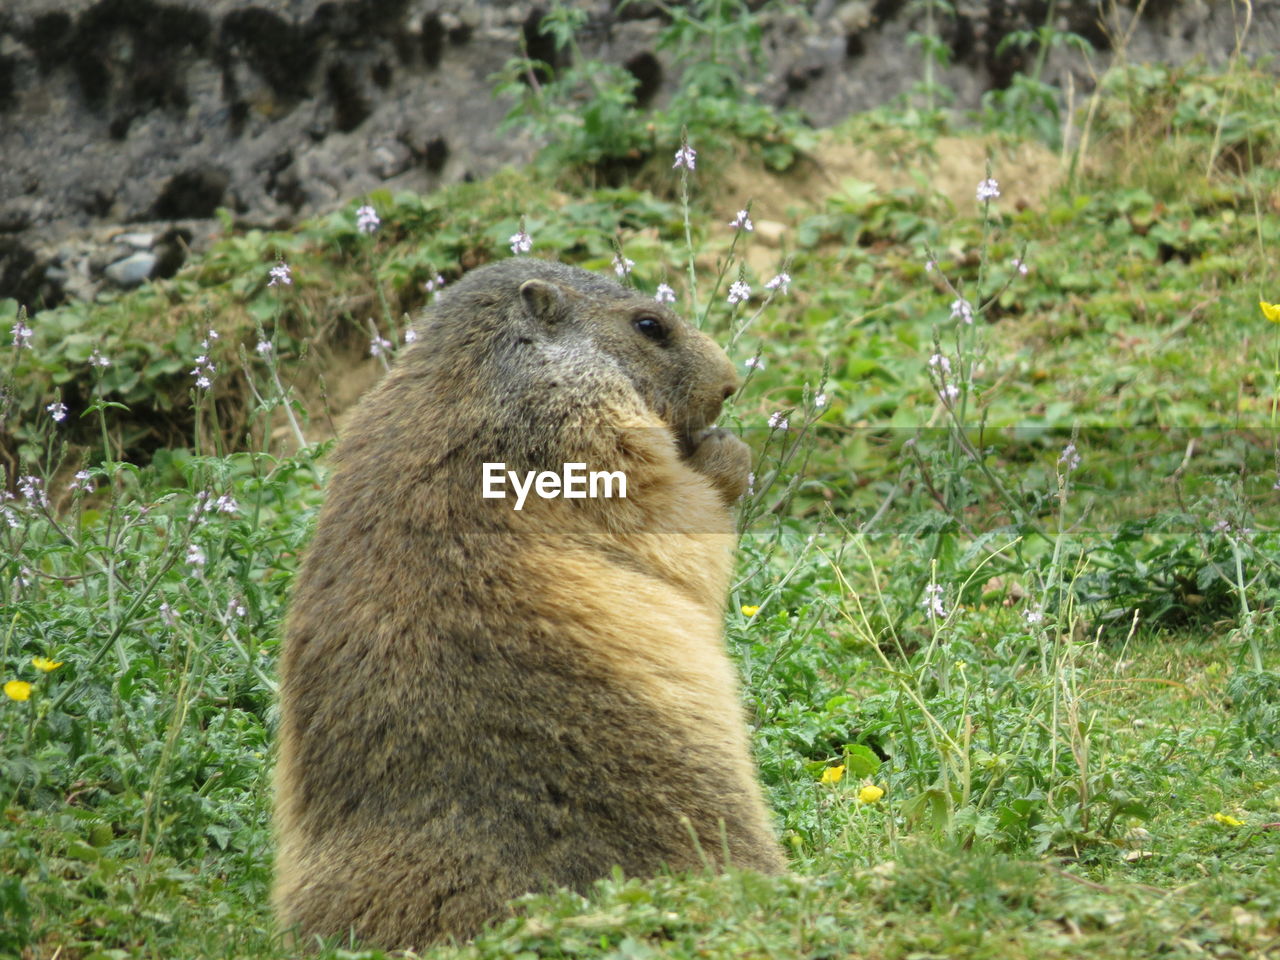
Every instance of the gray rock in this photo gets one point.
(390, 158)
(17, 214)
(132, 270)
(102, 257)
(139, 241)
(21, 271)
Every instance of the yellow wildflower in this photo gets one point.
(17, 690)
(870, 793)
(44, 664)
(748, 611)
(833, 774)
(1227, 820)
(1270, 310)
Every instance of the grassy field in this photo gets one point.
(1007, 607)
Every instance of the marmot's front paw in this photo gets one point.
(723, 459)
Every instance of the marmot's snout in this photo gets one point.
(700, 417)
(724, 386)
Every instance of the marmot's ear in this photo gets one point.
(544, 301)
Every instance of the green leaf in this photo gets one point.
(79, 850)
(860, 761)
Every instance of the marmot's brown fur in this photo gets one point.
(479, 702)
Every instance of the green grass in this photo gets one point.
(1077, 746)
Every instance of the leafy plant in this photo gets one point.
(587, 115)
(1030, 106)
(935, 54)
(586, 111)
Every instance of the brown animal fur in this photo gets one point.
(478, 702)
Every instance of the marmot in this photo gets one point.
(477, 701)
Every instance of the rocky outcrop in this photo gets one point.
(130, 120)
(141, 113)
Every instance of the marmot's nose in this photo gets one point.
(729, 390)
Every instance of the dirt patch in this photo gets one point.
(946, 170)
(949, 167)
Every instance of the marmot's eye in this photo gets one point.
(651, 327)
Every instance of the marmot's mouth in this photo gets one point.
(685, 441)
(689, 437)
(690, 431)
